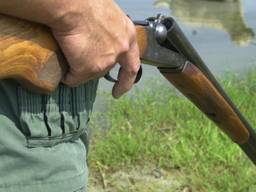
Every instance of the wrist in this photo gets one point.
(65, 15)
(51, 12)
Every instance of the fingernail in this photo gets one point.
(116, 94)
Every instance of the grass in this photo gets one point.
(159, 127)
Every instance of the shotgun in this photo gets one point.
(30, 55)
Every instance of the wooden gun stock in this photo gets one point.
(30, 55)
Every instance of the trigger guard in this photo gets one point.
(139, 75)
(113, 80)
(110, 78)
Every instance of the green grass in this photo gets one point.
(158, 126)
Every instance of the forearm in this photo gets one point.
(45, 12)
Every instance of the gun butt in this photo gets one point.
(30, 55)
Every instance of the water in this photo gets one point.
(223, 32)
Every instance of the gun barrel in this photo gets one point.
(192, 82)
(199, 85)
(184, 47)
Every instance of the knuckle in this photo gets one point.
(111, 62)
(132, 33)
(124, 46)
(131, 30)
(125, 42)
(102, 68)
(77, 70)
(96, 69)
(134, 69)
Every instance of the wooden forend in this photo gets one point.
(195, 86)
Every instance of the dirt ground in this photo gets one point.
(138, 180)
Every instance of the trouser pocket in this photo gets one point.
(62, 116)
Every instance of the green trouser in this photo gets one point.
(43, 138)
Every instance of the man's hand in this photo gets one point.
(94, 35)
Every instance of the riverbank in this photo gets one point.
(156, 140)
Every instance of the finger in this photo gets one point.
(130, 64)
(72, 79)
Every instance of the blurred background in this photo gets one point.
(154, 140)
(222, 31)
